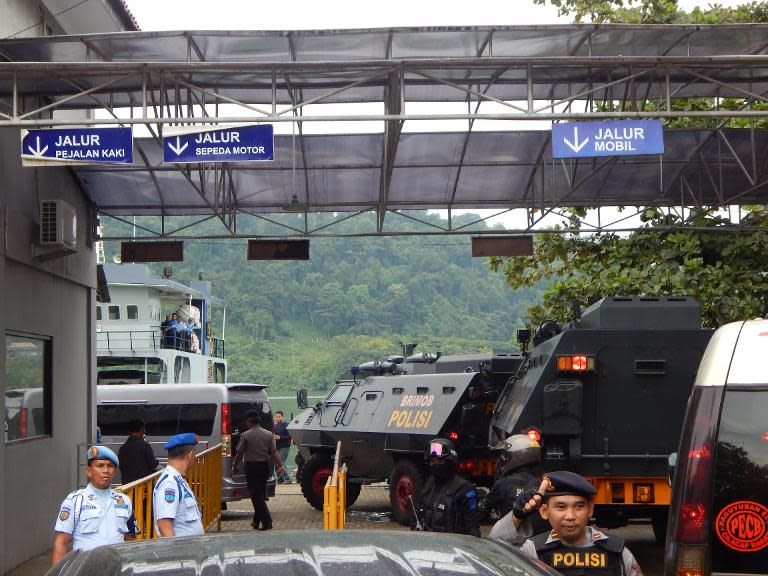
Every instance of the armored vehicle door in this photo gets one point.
(332, 405)
(641, 389)
(366, 443)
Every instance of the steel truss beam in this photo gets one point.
(186, 93)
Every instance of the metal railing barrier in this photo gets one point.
(335, 495)
(205, 481)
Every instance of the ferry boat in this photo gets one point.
(139, 342)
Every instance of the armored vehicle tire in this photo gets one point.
(659, 525)
(314, 474)
(406, 480)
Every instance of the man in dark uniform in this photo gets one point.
(256, 446)
(448, 501)
(517, 469)
(572, 547)
(137, 459)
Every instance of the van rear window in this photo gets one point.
(160, 419)
(740, 513)
(239, 409)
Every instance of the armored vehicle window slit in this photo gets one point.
(449, 389)
(651, 367)
(422, 390)
(397, 391)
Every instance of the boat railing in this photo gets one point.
(217, 350)
(133, 340)
(152, 339)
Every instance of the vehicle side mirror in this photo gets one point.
(301, 398)
(671, 465)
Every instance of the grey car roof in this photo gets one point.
(309, 553)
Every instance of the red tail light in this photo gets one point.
(23, 423)
(575, 363)
(225, 422)
(453, 435)
(534, 435)
(691, 508)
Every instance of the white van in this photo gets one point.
(718, 519)
(215, 412)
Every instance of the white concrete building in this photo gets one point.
(46, 314)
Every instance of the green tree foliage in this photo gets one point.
(725, 269)
(300, 324)
(657, 12)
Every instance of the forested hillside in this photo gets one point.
(296, 324)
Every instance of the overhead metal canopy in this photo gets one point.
(514, 73)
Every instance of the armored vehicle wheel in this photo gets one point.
(314, 473)
(406, 480)
(353, 493)
(659, 525)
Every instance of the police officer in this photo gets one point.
(174, 507)
(448, 501)
(95, 515)
(517, 471)
(256, 446)
(566, 500)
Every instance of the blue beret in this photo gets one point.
(189, 438)
(565, 482)
(102, 453)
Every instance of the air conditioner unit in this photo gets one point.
(58, 225)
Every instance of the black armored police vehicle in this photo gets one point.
(604, 394)
(383, 413)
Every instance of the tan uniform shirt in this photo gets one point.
(256, 444)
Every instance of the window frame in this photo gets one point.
(47, 342)
(109, 312)
(128, 308)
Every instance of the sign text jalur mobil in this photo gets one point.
(612, 138)
(107, 145)
(231, 144)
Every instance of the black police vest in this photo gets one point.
(603, 558)
(440, 506)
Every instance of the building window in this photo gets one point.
(133, 312)
(98, 312)
(27, 386)
(219, 372)
(114, 312)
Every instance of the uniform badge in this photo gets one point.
(93, 452)
(119, 500)
(170, 495)
(64, 514)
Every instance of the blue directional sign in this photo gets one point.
(241, 144)
(77, 145)
(613, 138)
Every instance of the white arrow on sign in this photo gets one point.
(576, 146)
(178, 149)
(36, 151)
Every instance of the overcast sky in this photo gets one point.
(319, 14)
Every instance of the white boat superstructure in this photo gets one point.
(140, 342)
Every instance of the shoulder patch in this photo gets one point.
(170, 494)
(64, 514)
